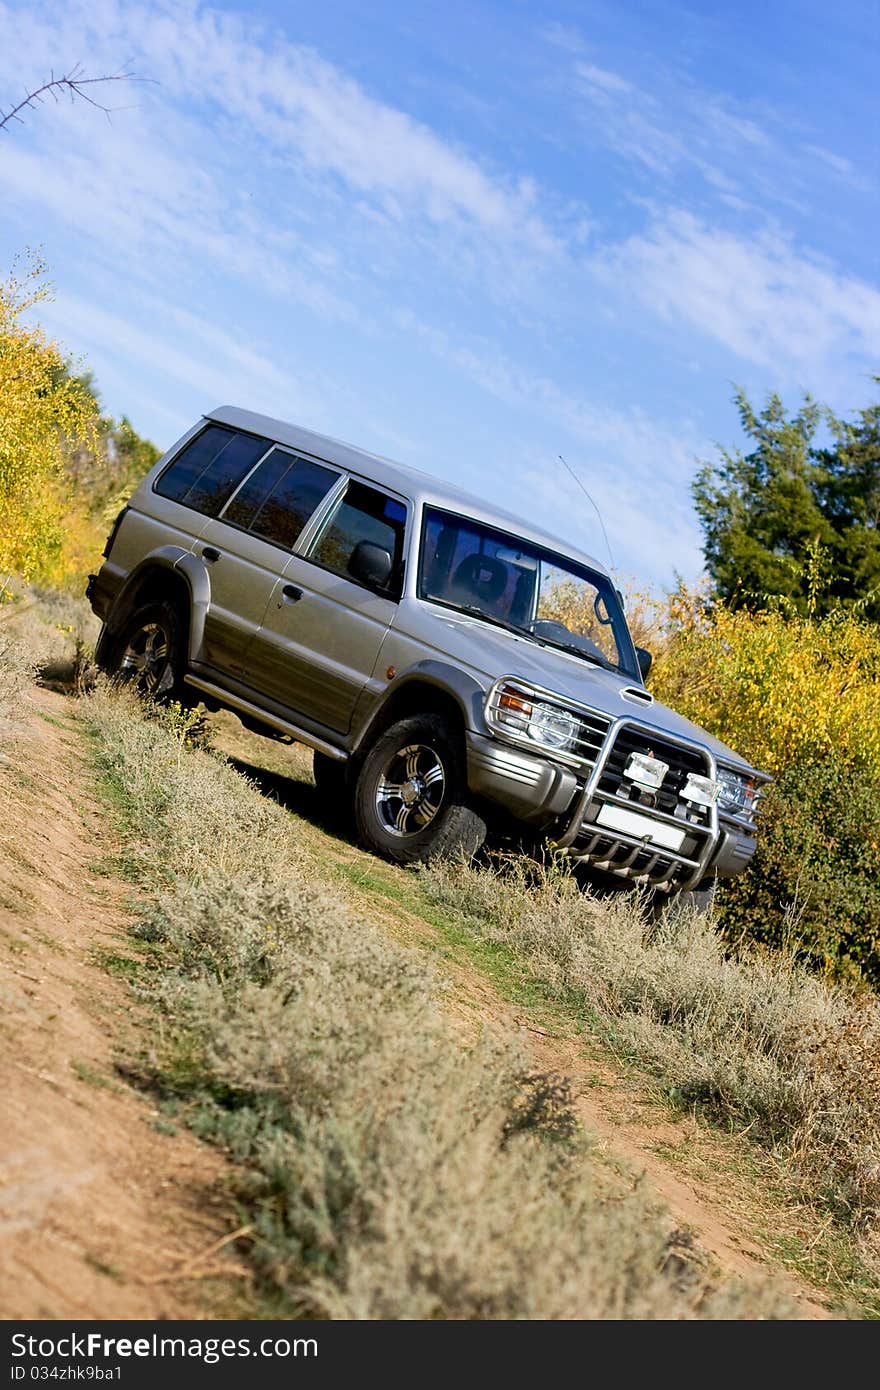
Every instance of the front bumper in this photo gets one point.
(662, 847)
(734, 851)
(531, 789)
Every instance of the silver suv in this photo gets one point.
(448, 663)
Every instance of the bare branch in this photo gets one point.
(72, 84)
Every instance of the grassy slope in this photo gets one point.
(752, 1046)
(390, 1168)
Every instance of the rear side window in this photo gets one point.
(207, 471)
(280, 496)
(364, 514)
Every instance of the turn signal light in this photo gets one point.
(514, 704)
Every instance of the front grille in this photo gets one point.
(667, 798)
(624, 852)
(618, 855)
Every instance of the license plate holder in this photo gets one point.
(641, 827)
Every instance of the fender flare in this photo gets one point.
(172, 559)
(449, 680)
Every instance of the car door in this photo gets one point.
(320, 636)
(247, 547)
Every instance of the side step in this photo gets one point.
(282, 726)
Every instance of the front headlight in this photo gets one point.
(737, 793)
(555, 728)
(547, 725)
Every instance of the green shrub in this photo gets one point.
(799, 695)
(814, 884)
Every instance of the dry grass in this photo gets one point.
(751, 1039)
(388, 1172)
(17, 668)
(43, 635)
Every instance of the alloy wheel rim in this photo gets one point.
(145, 660)
(411, 790)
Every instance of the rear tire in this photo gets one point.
(410, 798)
(149, 653)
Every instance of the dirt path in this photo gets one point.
(102, 1215)
(632, 1131)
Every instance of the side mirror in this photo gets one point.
(371, 564)
(645, 660)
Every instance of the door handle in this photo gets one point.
(210, 554)
(291, 594)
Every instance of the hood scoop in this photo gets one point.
(636, 695)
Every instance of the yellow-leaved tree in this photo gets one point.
(44, 411)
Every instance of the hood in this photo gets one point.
(491, 652)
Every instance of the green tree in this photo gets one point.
(765, 512)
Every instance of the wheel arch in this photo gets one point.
(432, 687)
(167, 573)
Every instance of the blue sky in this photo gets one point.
(473, 236)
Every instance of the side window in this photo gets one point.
(280, 496)
(363, 514)
(207, 471)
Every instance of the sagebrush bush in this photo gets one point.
(752, 1039)
(390, 1171)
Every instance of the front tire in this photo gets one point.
(411, 794)
(149, 653)
(693, 902)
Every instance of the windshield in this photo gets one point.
(519, 585)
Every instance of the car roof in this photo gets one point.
(411, 482)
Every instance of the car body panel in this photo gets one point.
(316, 653)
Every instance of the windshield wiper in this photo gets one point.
(491, 618)
(577, 650)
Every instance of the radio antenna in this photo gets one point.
(593, 504)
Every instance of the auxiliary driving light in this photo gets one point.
(700, 791)
(645, 771)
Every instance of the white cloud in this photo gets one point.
(219, 368)
(637, 469)
(672, 129)
(672, 125)
(843, 168)
(252, 162)
(303, 107)
(604, 80)
(759, 298)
